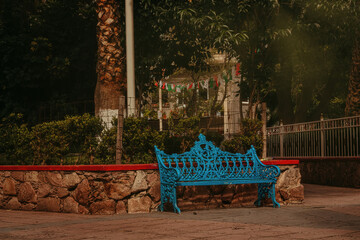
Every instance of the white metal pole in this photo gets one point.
(160, 110)
(130, 62)
(226, 119)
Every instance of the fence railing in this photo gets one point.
(324, 138)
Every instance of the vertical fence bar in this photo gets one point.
(322, 141)
(281, 140)
(120, 127)
(263, 119)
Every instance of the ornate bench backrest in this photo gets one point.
(205, 161)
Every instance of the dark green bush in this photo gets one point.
(15, 140)
(214, 137)
(138, 142)
(52, 141)
(83, 132)
(106, 149)
(84, 140)
(250, 135)
(182, 135)
(49, 142)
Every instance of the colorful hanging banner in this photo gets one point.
(213, 81)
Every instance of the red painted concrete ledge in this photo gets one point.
(105, 168)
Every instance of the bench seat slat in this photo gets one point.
(226, 182)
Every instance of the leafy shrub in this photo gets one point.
(214, 137)
(106, 149)
(84, 140)
(15, 140)
(138, 142)
(182, 134)
(49, 142)
(82, 133)
(250, 135)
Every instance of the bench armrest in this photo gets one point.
(169, 175)
(270, 171)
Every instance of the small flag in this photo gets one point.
(216, 80)
(230, 74)
(225, 77)
(211, 82)
(237, 69)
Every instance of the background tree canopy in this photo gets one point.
(295, 55)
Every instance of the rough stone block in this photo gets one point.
(293, 193)
(9, 187)
(290, 177)
(228, 194)
(61, 192)
(140, 183)
(18, 175)
(82, 192)
(70, 205)
(13, 204)
(48, 204)
(155, 192)
(153, 178)
(54, 178)
(43, 190)
(200, 194)
(83, 210)
(71, 180)
(214, 203)
(26, 193)
(185, 205)
(106, 207)
(124, 178)
(217, 189)
(139, 205)
(121, 207)
(28, 207)
(31, 176)
(117, 191)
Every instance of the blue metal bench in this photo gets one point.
(206, 164)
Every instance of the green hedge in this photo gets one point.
(250, 135)
(49, 142)
(15, 138)
(85, 140)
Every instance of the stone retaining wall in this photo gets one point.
(117, 192)
(331, 172)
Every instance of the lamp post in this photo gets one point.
(130, 62)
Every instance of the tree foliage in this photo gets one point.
(295, 55)
(47, 54)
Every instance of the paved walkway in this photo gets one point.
(328, 213)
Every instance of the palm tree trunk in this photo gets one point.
(353, 100)
(111, 79)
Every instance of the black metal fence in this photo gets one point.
(325, 138)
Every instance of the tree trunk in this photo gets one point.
(111, 80)
(353, 100)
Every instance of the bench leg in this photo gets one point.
(266, 190)
(168, 194)
(273, 196)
